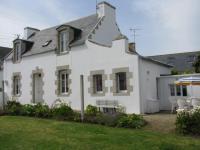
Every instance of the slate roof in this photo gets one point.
(85, 24)
(181, 61)
(4, 51)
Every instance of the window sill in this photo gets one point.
(18, 95)
(97, 94)
(64, 94)
(16, 62)
(63, 53)
(122, 93)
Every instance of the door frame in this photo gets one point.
(37, 71)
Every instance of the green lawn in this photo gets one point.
(21, 133)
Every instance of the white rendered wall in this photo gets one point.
(81, 60)
(149, 72)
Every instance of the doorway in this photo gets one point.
(37, 88)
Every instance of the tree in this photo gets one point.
(196, 64)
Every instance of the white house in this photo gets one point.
(47, 65)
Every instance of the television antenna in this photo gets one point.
(133, 33)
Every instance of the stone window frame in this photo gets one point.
(20, 85)
(57, 82)
(91, 88)
(129, 75)
(37, 71)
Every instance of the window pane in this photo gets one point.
(63, 81)
(184, 90)
(121, 81)
(66, 82)
(172, 89)
(17, 52)
(178, 90)
(16, 83)
(63, 41)
(97, 83)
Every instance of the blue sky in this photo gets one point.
(166, 26)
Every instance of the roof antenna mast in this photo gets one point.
(133, 33)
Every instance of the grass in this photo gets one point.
(22, 133)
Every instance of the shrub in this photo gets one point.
(13, 108)
(91, 110)
(104, 119)
(42, 110)
(131, 121)
(28, 110)
(63, 112)
(2, 112)
(77, 117)
(188, 122)
(110, 119)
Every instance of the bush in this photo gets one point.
(104, 119)
(188, 122)
(42, 111)
(28, 110)
(2, 112)
(77, 117)
(131, 121)
(63, 112)
(91, 110)
(13, 108)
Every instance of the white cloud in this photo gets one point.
(15, 19)
(58, 9)
(175, 17)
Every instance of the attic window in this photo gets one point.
(17, 52)
(46, 43)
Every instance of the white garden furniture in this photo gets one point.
(195, 102)
(182, 104)
(173, 102)
(190, 81)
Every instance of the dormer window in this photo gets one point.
(63, 41)
(17, 52)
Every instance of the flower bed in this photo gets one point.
(62, 111)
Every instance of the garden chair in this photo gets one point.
(195, 102)
(173, 102)
(182, 104)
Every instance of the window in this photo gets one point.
(63, 40)
(17, 52)
(64, 82)
(178, 90)
(191, 59)
(97, 81)
(121, 81)
(16, 85)
(184, 90)
(46, 43)
(172, 89)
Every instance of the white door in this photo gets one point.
(37, 88)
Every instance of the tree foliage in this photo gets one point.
(196, 64)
